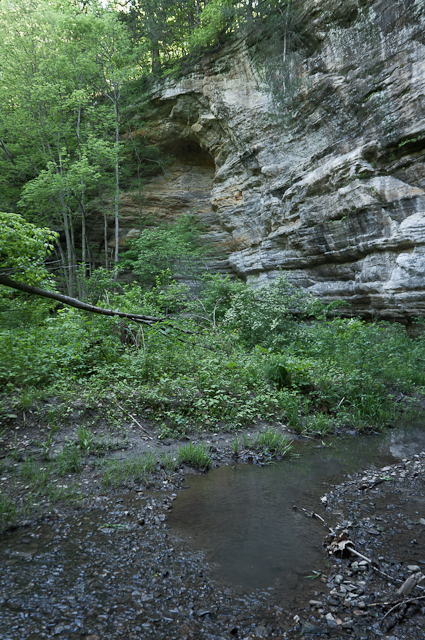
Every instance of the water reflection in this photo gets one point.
(244, 517)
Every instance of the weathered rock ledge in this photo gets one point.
(333, 191)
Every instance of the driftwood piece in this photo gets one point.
(410, 584)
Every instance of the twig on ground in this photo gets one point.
(313, 514)
(134, 419)
(372, 564)
(399, 604)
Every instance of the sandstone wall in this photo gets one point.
(333, 191)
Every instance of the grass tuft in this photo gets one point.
(69, 460)
(269, 442)
(121, 472)
(195, 455)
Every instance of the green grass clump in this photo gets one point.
(269, 442)
(8, 510)
(86, 441)
(194, 455)
(122, 472)
(69, 460)
(37, 476)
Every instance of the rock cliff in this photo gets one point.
(332, 188)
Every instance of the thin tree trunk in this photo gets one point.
(284, 45)
(155, 57)
(68, 262)
(83, 252)
(117, 181)
(83, 214)
(139, 187)
(105, 230)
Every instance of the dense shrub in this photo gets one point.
(249, 354)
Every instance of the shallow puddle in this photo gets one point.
(251, 522)
(117, 570)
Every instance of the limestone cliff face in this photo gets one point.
(333, 190)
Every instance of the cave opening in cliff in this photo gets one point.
(184, 187)
(188, 152)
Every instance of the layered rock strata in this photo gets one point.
(330, 188)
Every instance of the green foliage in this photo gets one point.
(23, 248)
(277, 372)
(173, 248)
(213, 24)
(269, 314)
(256, 354)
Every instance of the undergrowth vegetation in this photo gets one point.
(230, 356)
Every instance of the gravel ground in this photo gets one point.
(377, 545)
(113, 569)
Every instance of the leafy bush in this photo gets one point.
(173, 247)
(270, 315)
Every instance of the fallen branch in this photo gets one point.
(133, 418)
(151, 321)
(313, 514)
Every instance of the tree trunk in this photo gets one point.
(117, 182)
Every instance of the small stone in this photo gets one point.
(330, 620)
(413, 567)
(373, 531)
(361, 605)
(347, 624)
(261, 632)
(339, 578)
(310, 629)
(315, 603)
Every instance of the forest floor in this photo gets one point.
(86, 558)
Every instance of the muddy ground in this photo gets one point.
(109, 566)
